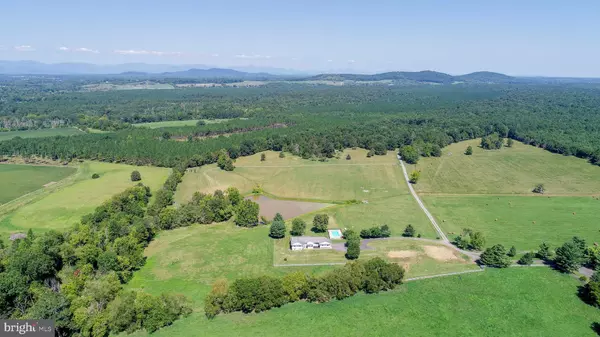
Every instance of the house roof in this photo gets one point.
(306, 239)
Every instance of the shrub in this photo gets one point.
(544, 252)
(526, 259)
(375, 232)
(281, 154)
(512, 251)
(95, 176)
(414, 177)
(348, 157)
(353, 250)
(409, 231)
(136, 176)
(469, 150)
(539, 188)
(263, 157)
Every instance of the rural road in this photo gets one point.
(427, 213)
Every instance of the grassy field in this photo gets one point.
(64, 207)
(377, 180)
(18, 180)
(40, 133)
(419, 258)
(513, 170)
(167, 124)
(521, 221)
(292, 177)
(508, 302)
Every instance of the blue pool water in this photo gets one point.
(335, 234)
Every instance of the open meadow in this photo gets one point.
(170, 124)
(508, 302)
(40, 133)
(514, 170)
(63, 207)
(491, 191)
(18, 180)
(376, 183)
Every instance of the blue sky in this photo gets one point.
(526, 37)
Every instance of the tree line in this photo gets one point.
(256, 294)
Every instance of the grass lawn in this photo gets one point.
(513, 170)
(64, 207)
(507, 302)
(40, 133)
(18, 180)
(520, 220)
(167, 124)
(292, 177)
(418, 258)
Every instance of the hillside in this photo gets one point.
(426, 76)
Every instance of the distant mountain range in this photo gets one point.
(200, 71)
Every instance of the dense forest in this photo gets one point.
(307, 121)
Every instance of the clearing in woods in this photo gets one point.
(64, 207)
(168, 124)
(375, 184)
(490, 191)
(18, 180)
(40, 133)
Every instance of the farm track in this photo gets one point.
(314, 165)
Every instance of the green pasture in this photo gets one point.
(64, 207)
(508, 302)
(18, 180)
(514, 170)
(39, 133)
(523, 221)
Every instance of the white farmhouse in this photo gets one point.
(309, 242)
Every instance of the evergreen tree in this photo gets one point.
(409, 231)
(512, 251)
(495, 257)
(526, 259)
(277, 230)
(353, 250)
(544, 252)
(469, 150)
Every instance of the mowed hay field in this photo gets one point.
(378, 181)
(18, 180)
(292, 177)
(40, 133)
(490, 191)
(507, 302)
(63, 208)
(167, 124)
(513, 170)
(521, 221)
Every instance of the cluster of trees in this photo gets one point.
(262, 293)
(352, 244)
(376, 232)
(470, 239)
(75, 277)
(410, 232)
(204, 209)
(492, 142)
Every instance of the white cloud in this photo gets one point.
(147, 52)
(80, 50)
(87, 50)
(351, 61)
(252, 56)
(24, 48)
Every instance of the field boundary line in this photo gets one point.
(416, 196)
(443, 275)
(313, 165)
(310, 264)
(436, 194)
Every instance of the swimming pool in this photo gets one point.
(335, 234)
